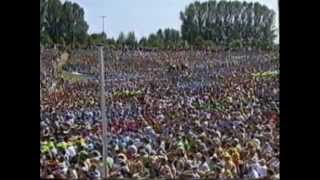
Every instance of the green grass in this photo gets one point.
(72, 77)
(266, 74)
(68, 76)
(126, 94)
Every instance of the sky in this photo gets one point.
(141, 16)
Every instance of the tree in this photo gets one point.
(160, 38)
(44, 36)
(199, 41)
(143, 42)
(111, 42)
(80, 26)
(97, 38)
(62, 23)
(121, 39)
(131, 40)
(171, 37)
(53, 19)
(153, 41)
(43, 14)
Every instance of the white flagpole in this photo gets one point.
(103, 109)
(103, 115)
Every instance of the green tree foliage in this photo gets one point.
(62, 23)
(43, 14)
(171, 38)
(167, 38)
(131, 40)
(153, 41)
(96, 38)
(226, 23)
(211, 24)
(112, 43)
(53, 19)
(121, 39)
(143, 42)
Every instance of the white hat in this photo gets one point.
(257, 141)
(205, 123)
(133, 148)
(218, 133)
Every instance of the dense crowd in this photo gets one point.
(171, 114)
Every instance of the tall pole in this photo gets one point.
(103, 24)
(279, 21)
(103, 114)
(103, 110)
(73, 34)
(73, 23)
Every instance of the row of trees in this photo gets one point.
(213, 24)
(228, 23)
(167, 38)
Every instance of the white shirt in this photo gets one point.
(71, 151)
(268, 148)
(64, 167)
(204, 167)
(262, 171)
(74, 174)
(54, 151)
(253, 174)
(275, 163)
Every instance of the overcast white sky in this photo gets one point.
(141, 16)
